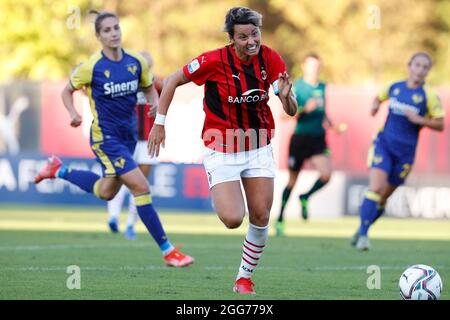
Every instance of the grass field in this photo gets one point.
(315, 261)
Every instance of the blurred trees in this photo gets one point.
(360, 41)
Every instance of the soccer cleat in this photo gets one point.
(244, 286)
(49, 171)
(130, 234)
(304, 204)
(355, 238)
(113, 225)
(363, 243)
(177, 259)
(279, 227)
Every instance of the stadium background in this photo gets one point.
(364, 45)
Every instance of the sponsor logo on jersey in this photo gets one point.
(399, 108)
(121, 89)
(249, 96)
(193, 66)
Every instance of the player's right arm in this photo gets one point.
(67, 98)
(382, 96)
(158, 134)
(80, 77)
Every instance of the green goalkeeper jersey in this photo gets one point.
(310, 123)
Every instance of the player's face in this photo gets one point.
(419, 68)
(246, 40)
(110, 34)
(311, 68)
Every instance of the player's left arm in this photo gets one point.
(286, 95)
(434, 118)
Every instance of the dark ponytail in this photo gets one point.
(100, 16)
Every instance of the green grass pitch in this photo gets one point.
(314, 262)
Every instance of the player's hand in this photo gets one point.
(414, 117)
(75, 120)
(284, 85)
(156, 139)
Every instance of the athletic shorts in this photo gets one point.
(395, 159)
(224, 167)
(141, 154)
(303, 147)
(115, 155)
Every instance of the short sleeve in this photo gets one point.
(81, 76)
(383, 95)
(275, 66)
(200, 69)
(435, 109)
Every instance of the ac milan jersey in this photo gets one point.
(144, 123)
(236, 95)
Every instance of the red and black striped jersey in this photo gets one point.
(144, 123)
(236, 96)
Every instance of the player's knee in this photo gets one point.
(231, 222)
(378, 189)
(325, 177)
(107, 195)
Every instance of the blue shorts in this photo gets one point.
(395, 159)
(115, 155)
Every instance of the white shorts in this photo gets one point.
(141, 154)
(222, 167)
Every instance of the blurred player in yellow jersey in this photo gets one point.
(412, 106)
(112, 78)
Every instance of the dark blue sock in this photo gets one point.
(151, 220)
(380, 211)
(81, 178)
(368, 211)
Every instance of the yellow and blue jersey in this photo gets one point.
(394, 148)
(422, 101)
(112, 87)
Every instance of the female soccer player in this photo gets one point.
(112, 78)
(145, 117)
(308, 140)
(237, 129)
(412, 106)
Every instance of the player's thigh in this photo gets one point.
(259, 195)
(229, 202)
(135, 181)
(146, 169)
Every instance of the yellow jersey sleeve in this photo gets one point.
(82, 74)
(383, 95)
(435, 109)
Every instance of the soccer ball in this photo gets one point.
(420, 282)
